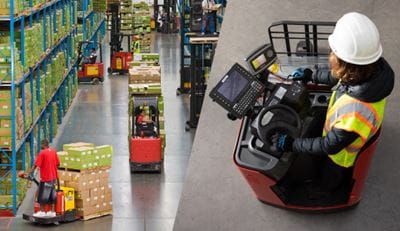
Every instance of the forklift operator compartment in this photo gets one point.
(269, 102)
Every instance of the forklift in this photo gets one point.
(89, 70)
(119, 59)
(64, 207)
(145, 142)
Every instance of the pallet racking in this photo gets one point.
(45, 108)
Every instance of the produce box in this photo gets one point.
(77, 145)
(143, 74)
(104, 155)
(143, 89)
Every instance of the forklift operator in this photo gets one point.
(363, 79)
(48, 162)
(93, 56)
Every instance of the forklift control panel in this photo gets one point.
(261, 59)
(237, 91)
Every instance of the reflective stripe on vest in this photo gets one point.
(353, 115)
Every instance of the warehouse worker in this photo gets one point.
(363, 79)
(47, 161)
(209, 17)
(93, 56)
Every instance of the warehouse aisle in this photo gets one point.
(100, 115)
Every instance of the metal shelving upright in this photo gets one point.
(43, 123)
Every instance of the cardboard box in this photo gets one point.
(83, 203)
(82, 194)
(79, 186)
(5, 132)
(95, 192)
(5, 123)
(77, 145)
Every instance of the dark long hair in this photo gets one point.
(348, 73)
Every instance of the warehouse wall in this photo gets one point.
(216, 196)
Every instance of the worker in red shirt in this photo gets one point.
(47, 161)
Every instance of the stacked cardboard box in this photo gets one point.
(93, 194)
(145, 74)
(100, 5)
(142, 18)
(5, 122)
(5, 60)
(145, 89)
(126, 16)
(19, 6)
(85, 157)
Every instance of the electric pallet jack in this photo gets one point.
(119, 59)
(64, 207)
(89, 70)
(145, 143)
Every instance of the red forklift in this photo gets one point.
(270, 103)
(89, 70)
(120, 59)
(145, 142)
(64, 207)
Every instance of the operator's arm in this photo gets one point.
(334, 141)
(323, 75)
(32, 170)
(38, 164)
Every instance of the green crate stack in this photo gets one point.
(48, 31)
(5, 61)
(100, 5)
(162, 122)
(75, 83)
(28, 108)
(80, 158)
(33, 44)
(127, 16)
(6, 190)
(55, 118)
(19, 6)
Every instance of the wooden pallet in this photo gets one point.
(96, 215)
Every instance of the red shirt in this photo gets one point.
(139, 119)
(48, 162)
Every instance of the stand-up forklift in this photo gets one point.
(89, 69)
(119, 59)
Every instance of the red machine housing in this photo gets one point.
(92, 71)
(145, 153)
(262, 184)
(120, 62)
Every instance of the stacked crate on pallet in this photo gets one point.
(85, 168)
(142, 29)
(145, 79)
(127, 16)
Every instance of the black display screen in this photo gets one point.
(233, 85)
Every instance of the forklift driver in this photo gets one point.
(363, 79)
(145, 126)
(48, 162)
(93, 56)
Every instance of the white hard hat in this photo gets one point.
(355, 39)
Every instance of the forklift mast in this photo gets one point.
(115, 41)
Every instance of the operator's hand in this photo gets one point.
(282, 142)
(302, 74)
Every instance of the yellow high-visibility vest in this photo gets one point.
(353, 115)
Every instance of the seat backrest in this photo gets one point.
(362, 164)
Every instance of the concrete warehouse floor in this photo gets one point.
(100, 115)
(216, 196)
